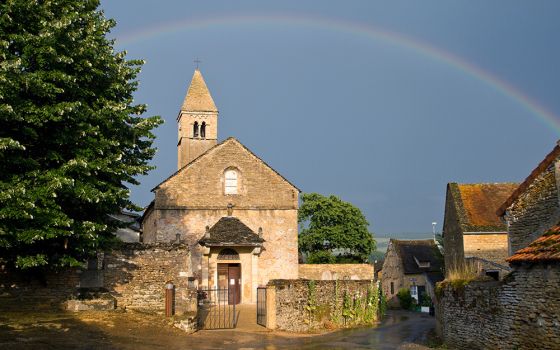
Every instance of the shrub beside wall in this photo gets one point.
(310, 305)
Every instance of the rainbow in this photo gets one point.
(356, 29)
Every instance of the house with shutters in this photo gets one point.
(237, 214)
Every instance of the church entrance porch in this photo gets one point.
(230, 260)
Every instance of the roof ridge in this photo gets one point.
(231, 138)
(542, 166)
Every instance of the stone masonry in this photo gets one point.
(535, 209)
(292, 299)
(135, 275)
(521, 312)
(194, 199)
(336, 271)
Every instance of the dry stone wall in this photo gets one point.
(521, 312)
(135, 275)
(37, 290)
(336, 271)
(296, 311)
(535, 210)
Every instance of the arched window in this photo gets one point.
(195, 129)
(228, 254)
(230, 182)
(203, 130)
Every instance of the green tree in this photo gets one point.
(71, 137)
(333, 231)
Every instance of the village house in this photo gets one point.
(472, 230)
(236, 213)
(522, 311)
(412, 264)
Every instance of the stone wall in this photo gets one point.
(293, 301)
(37, 290)
(134, 275)
(336, 271)
(492, 247)
(521, 312)
(392, 274)
(535, 210)
(452, 233)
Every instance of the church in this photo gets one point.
(237, 214)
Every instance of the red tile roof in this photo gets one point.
(543, 165)
(476, 205)
(544, 249)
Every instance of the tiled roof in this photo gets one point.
(410, 251)
(543, 165)
(198, 98)
(544, 249)
(477, 204)
(230, 231)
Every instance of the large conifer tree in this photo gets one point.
(71, 137)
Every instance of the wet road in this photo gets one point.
(397, 328)
(131, 330)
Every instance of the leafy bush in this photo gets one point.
(405, 299)
(425, 300)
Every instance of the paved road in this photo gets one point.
(130, 330)
(397, 329)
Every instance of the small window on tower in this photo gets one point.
(195, 129)
(203, 130)
(231, 182)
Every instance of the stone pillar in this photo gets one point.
(205, 267)
(255, 273)
(271, 307)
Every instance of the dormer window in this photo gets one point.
(422, 264)
(231, 178)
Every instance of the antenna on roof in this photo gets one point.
(197, 61)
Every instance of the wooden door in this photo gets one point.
(222, 281)
(234, 279)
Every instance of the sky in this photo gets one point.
(381, 103)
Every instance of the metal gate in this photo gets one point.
(215, 309)
(261, 306)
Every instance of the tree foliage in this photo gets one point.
(335, 231)
(71, 137)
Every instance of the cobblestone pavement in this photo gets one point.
(133, 330)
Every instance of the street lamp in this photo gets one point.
(434, 229)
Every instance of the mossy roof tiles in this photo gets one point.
(544, 249)
(476, 205)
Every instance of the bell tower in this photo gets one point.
(197, 122)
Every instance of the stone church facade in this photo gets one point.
(237, 214)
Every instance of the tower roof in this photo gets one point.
(198, 98)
